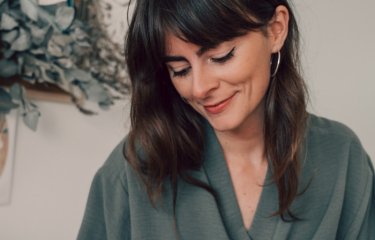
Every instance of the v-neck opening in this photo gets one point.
(263, 210)
(220, 180)
(264, 185)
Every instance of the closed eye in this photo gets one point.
(225, 58)
(181, 73)
(222, 59)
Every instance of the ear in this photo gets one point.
(278, 28)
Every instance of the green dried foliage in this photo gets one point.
(49, 44)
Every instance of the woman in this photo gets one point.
(221, 145)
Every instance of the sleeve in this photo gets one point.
(367, 230)
(359, 202)
(107, 210)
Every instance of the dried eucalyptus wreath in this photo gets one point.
(60, 46)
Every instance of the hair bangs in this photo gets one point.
(206, 23)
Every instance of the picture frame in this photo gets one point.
(8, 135)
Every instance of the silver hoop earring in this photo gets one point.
(277, 65)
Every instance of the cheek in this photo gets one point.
(255, 68)
(181, 86)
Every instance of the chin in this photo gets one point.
(223, 125)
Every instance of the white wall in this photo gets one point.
(53, 170)
(54, 166)
(339, 62)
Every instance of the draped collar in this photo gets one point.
(264, 226)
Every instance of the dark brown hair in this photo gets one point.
(166, 135)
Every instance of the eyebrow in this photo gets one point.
(199, 53)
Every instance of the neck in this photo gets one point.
(245, 144)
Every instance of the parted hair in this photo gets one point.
(166, 139)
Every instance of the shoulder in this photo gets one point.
(337, 182)
(333, 141)
(328, 129)
(335, 156)
(338, 162)
(113, 171)
(327, 138)
(116, 159)
(107, 208)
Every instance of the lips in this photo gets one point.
(219, 107)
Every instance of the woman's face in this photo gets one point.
(225, 84)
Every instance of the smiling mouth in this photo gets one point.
(219, 107)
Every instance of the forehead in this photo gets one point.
(174, 44)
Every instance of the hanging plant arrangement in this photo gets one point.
(53, 47)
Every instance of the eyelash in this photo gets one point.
(223, 59)
(181, 73)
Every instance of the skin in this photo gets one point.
(230, 95)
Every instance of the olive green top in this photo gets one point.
(338, 201)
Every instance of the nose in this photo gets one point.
(203, 83)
